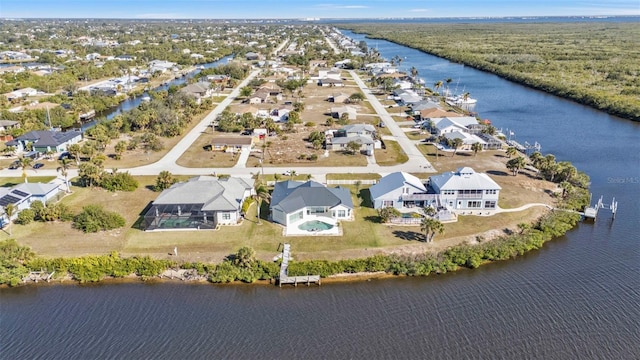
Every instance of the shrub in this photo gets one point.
(25, 217)
(94, 218)
(119, 182)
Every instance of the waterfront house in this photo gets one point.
(451, 124)
(251, 56)
(401, 191)
(295, 202)
(467, 139)
(465, 189)
(199, 90)
(202, 202)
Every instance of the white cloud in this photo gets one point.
(419, 10)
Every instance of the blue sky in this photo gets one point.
(260, 9)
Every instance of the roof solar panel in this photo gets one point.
(20, 193)
(8, 199)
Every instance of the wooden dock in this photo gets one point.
(284, 277)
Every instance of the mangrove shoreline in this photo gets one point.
(243, 267)
(540, 70)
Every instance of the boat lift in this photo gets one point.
(591, 212)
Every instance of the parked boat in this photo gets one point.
(457, 100)
(146, 98)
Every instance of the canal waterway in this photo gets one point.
(577, 298)
(134, 101)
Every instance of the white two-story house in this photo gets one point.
(466, 189)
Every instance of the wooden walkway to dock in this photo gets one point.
(284, 277)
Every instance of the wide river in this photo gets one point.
(577, 298)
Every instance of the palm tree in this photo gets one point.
(388, 213)
(63, 169)
(429, 227)
(448, 81)
(457, 142)
(437, 85)
(511, 151)
(293, 174)
(261, 195)
(414, 72)
(566, 188)
(10, 210)
(429, 211)
(74, 150)
(25, 162)
(516, 164)
(476, 147)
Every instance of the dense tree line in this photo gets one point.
(591, 63)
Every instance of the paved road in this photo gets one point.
(416, 163)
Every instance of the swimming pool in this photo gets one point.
(315, 225)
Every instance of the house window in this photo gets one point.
(490, 192)
(474, 204)
(341, 213)
(489, 204)
(387, 203)
(297, 216)
(226, 216)
(315, 210)
(448, 192)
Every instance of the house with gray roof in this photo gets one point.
(465, 189)
(46, 140)
(294, 203)
(199, 90)
(451, 124)
(364, 134)
(401, 190)
(202, 202)
(22, 195)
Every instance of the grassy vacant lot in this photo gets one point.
(594, 63)
(140, 157)
(197, 157)
(391, 155)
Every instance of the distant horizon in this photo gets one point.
(323, 19)
(308, 9)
